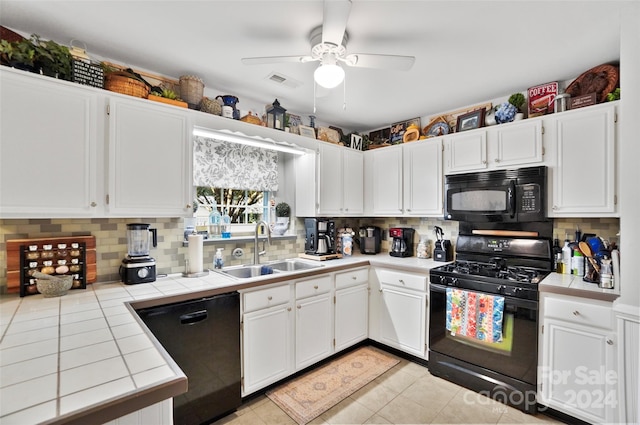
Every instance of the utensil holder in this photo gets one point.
(591, 275)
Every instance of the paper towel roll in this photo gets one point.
(194, 254)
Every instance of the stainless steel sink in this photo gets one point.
(245, 272)
(276, 267)
(292, 265)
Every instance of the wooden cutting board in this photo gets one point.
(13, 257)
(319, 257)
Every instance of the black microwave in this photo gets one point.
(518, 195)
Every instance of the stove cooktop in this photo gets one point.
(495, 271)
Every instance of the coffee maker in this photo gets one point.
(320, 236)
(402, 243)
(138, 266)
(370, 237)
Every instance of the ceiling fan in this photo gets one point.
(329, 47)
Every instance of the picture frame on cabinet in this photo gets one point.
(398, 129)
(307, 131)
(470, 120)
(355, 142)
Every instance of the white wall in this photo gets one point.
(629, 150)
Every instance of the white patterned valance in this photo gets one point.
(217, 163)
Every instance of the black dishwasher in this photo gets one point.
(203, 337)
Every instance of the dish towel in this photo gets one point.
(475, 315)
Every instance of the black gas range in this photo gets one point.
(505, 269)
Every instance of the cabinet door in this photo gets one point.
(149, 160)
(516, 143)
(305, 171)
(422, 167)
(314, 330)
(330, 179)
(578, 375)
(48, 148)
(267, 341)
(403, 319)
(584, 148)
(466, 152)
(386, 173)
(352, 318)
(353, 181)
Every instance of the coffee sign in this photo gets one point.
(541, 98)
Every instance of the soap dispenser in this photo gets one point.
(218, 261)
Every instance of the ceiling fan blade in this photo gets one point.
(276, 59)
(394, 62)
(334, 20)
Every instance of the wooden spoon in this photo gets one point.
(586, 250)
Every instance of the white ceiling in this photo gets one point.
(466, 52)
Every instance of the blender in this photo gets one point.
(138, 266)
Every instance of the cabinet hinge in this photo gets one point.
(542, 331)
(334, 299)
(242, 382)
(108, 109)
(334, 342)
(615, 199)
(615, 117)
(241, 326)
(107, 199)
(543, 151)
(542, 129)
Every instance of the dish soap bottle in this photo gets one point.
(218, 261)
(226, 225)
(214, 221)
(566, 257)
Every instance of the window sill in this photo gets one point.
(244, 238)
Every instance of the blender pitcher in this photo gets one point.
(138, 236)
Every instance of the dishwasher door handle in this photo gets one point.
(195, 317)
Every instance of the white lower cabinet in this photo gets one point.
(158, 414)
(577, 373)
(351, 308)
(403, 311)
(314, 320)
(267, 337)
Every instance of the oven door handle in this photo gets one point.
(511, 198)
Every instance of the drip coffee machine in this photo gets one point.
(320, 236)
(402, 243)
(138, 266)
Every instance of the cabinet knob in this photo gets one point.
(497, 160)
(315, 286)
(380, 290)
(269, 297)
(353, 278)
(408, 210)
(299, 307)
(484, 162)
(401, 281)
(609, 341)
(576, 313)
(288, 308)
(555, 207)
(189, 206)
(93, 204)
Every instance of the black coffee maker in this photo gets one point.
(369, 239)
(320, 236)
(402, 242)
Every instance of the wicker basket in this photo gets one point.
(211, 106)
(191, 90)
(121, 83)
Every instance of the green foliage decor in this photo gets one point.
(517, 100)
(37, 55)
(283, 210)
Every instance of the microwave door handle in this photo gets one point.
(511, 198)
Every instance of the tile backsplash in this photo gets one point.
(111, 238)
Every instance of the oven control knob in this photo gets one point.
(143, 272)
(443, 280)
(501, 289)
(454, 281)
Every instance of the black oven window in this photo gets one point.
(479, 200)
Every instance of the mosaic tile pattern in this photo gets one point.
(111, 239)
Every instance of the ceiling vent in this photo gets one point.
(283, 80)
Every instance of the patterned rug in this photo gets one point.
(315, 392)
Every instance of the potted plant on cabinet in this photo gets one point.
(52, 59)
(283, 212)
(168, 96)
(18, 54)
(518, 100)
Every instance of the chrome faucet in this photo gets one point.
(256, 253)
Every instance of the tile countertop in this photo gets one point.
(87, 358)
(568, 284)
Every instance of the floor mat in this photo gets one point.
(315, 392)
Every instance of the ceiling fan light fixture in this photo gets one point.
(329, 75)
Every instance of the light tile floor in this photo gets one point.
(406, 394)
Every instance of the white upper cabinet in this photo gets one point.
(423, 178)
(518, 143)
(385, 173)
(584, 176)
(149, 160)
(48, 147)
(465, 152)
(330, 183)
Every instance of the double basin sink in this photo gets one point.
(276, 267)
